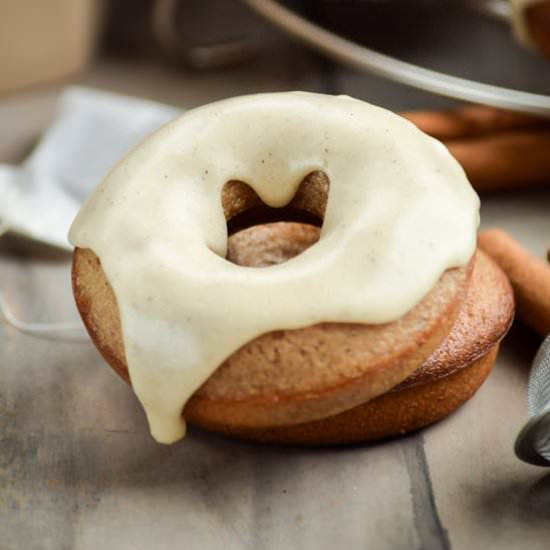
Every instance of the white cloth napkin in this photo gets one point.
(92, 130)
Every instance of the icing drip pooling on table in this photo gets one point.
(400, 212)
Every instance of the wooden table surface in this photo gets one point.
(78, 468)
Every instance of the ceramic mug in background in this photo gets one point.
(41, 41)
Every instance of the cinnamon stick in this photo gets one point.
(528, 274)
(506, 160)
(472, 121)
(498, 149)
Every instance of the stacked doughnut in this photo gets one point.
(405, 316)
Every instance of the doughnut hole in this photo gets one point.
(271, 243)
(279, 234)
(243, 208)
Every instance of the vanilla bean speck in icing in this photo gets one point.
(400, 212)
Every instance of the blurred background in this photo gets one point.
(188, 52)
(60, 483)
(404, 55)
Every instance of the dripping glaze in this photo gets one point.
(400, 212)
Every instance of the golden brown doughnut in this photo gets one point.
(352, 317)
(296, 386)
(448, 378)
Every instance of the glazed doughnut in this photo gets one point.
(327, 331)
(450, 375)
(448, 378)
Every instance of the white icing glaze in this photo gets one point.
(400, 212)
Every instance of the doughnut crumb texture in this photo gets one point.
(445, 380)
(398, 234)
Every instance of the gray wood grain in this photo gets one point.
(79, 470)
